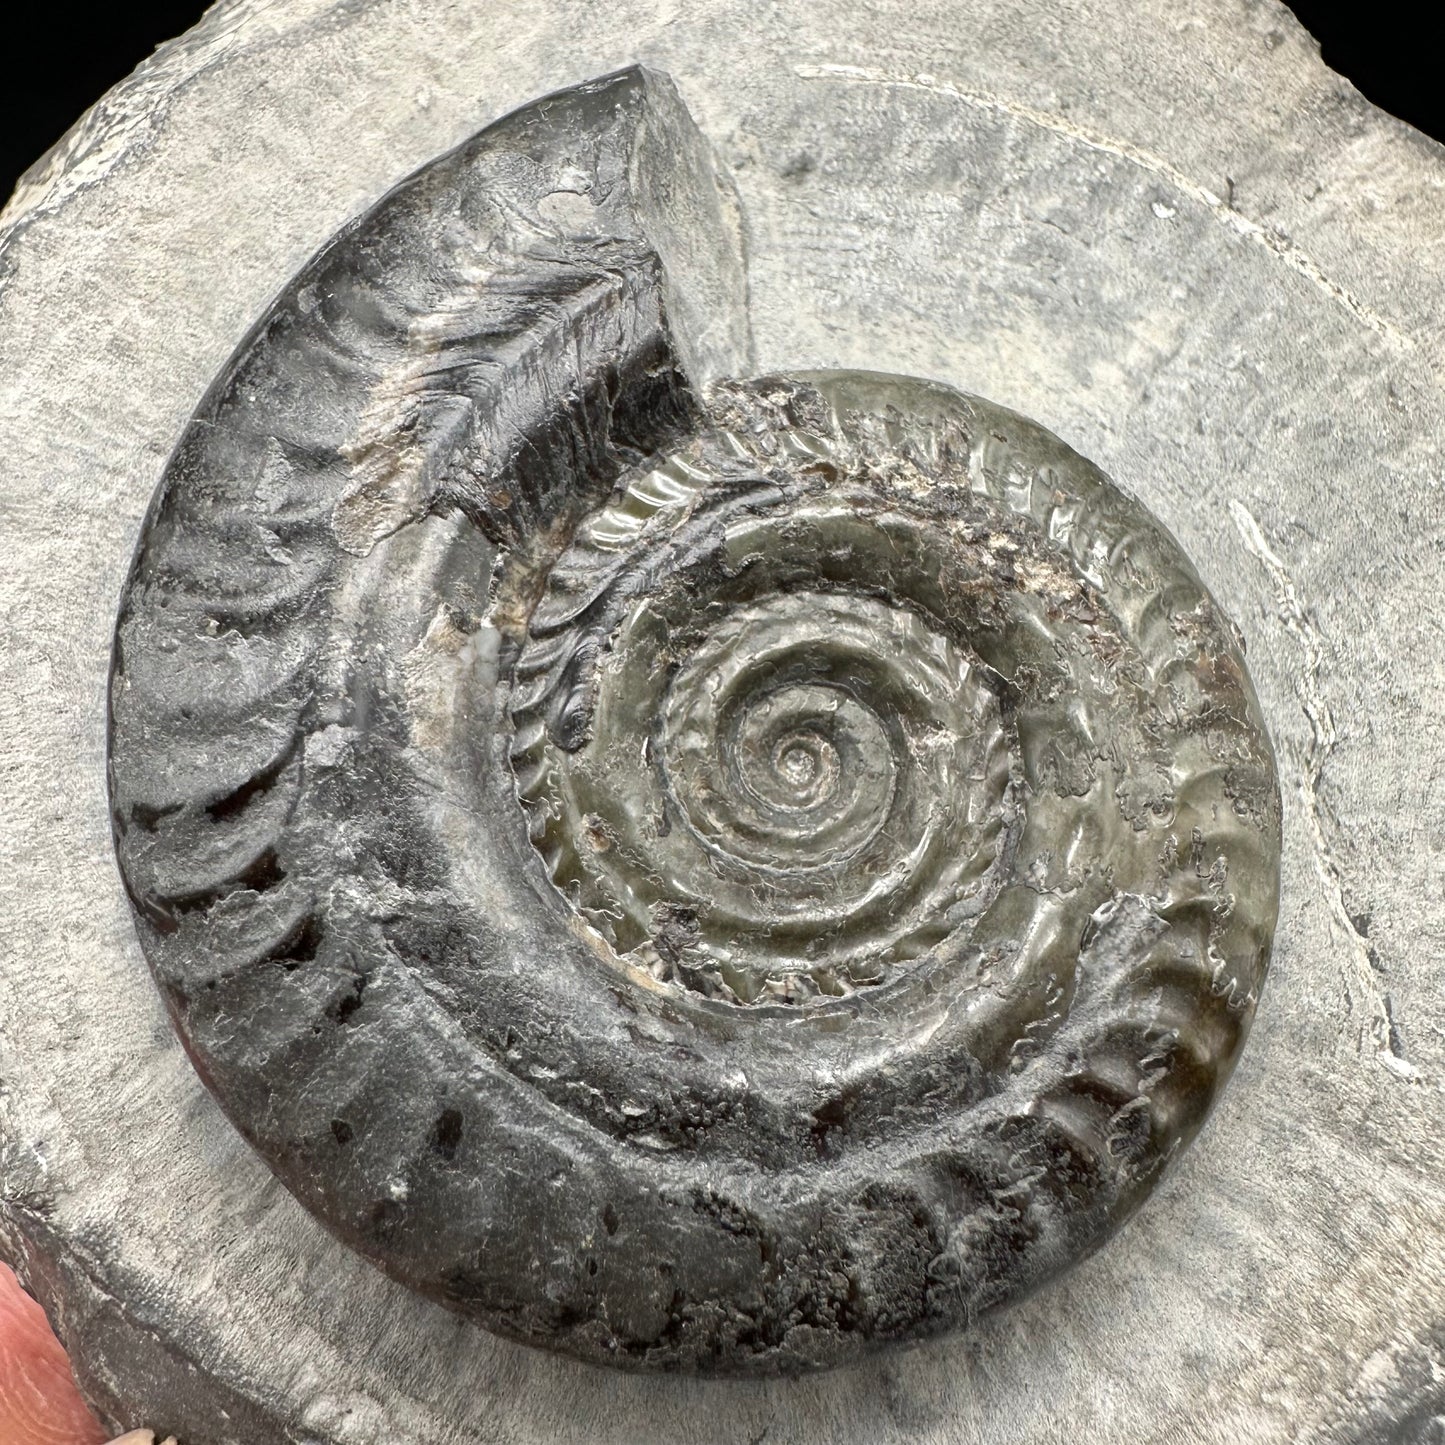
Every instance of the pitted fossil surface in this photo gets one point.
(700, 874)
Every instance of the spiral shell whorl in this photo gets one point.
(862, 609)
(759, 747)
(762, 783)
(698, 878)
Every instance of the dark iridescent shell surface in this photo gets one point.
(694, 870)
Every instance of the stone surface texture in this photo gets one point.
(1165, 232)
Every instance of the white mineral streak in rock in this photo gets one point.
(1170, 235)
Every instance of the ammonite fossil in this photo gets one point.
(694, 870)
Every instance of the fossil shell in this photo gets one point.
(697, 873)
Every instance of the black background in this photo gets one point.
(64, 58)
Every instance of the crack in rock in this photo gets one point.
(1324, 739)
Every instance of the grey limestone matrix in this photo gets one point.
(697, 870)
